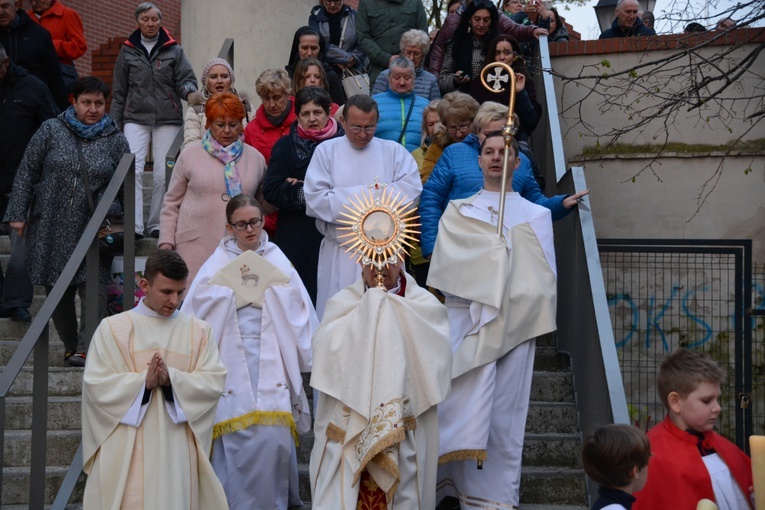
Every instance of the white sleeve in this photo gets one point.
(134, 416)
(175, 411)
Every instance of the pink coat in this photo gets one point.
(193, 217)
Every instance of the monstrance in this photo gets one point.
(379, 225)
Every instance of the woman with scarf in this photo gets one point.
(207, 174)
(217, 77)
(51, 207)
(296, 233)
(265, 346)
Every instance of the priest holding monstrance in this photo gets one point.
(494, 260)
(382, 364)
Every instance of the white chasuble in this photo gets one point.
(159, 463)
(336, 174)
(382, 363)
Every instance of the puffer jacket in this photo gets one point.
(425, 84)
(148, 88)
(334, 54)
(457, 175)
(394, 108)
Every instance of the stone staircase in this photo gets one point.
(552, 477)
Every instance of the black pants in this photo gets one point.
(16, 290)
(65, 316)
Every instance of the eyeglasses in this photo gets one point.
(333, 1)
(462, 128)
(370, 130)
(242, 225)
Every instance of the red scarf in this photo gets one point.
(318, 135)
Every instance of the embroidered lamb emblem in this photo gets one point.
(248, 277)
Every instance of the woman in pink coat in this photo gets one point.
(206, 175)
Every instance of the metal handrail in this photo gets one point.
(36, 337)
(584, 321)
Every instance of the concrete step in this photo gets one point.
(557, 486)
(62, 381)
(16, 485)
(552, 418)
(55, 351)
(64, 413)
(61, 447)
(552, 387)
(548, 359)
(563, 450)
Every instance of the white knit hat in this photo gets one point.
(216, 62)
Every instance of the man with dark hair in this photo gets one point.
(627, 22)
(25, 103)
(30, 46)
(341, 168)
(152, 383)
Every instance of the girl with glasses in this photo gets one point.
(263, 406)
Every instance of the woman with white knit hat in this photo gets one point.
(217, 77)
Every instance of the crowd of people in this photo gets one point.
(252, 285)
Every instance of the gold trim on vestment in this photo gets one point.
(261, 418)
(460, 455)
(335, 433)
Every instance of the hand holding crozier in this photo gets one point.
(705, 504)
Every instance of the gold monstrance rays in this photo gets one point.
(378, 226)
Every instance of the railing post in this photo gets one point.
(128, 255)
(39, 423)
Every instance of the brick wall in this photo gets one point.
(107, 19)
(655, 43)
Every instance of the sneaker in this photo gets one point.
(76, 360)
(20, 314)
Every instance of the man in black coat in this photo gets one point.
(25, 103)
(627, 22)
(30, 46)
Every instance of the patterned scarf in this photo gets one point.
(85, 131)
(228, 156)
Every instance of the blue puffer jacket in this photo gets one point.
(457, 175)
(393, 111)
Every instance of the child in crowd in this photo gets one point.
(616, 457)
(690, 461)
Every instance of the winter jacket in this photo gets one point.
(49, 186)
(30, 46)
(65, 27)
(335, 54)
(457, 175)
(521, 33)
(637, 28)
(380, 25)
(334, 81)
(25, 103)
(148, 88)
(394, 109)
(263, 135)
(425, 84)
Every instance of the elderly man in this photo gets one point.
(382, 364)
(30, 46)
(25, 103)
(339, 169)
(500, 295)
(380, 25)
(400, 108)
(627, 22)
(414, 46)
(65, 27)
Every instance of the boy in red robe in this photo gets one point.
(690, 461)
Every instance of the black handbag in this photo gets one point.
(111, 235)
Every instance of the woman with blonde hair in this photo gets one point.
(207, 174)
(430, 121)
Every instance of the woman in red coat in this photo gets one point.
(272, 120)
